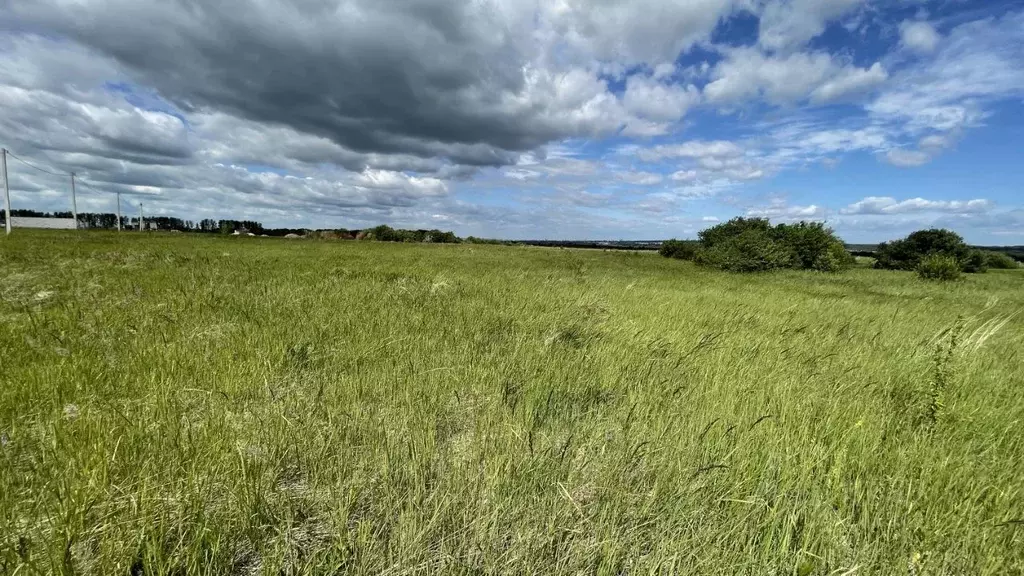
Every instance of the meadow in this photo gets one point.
(190, 404)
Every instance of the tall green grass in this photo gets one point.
(201, 405)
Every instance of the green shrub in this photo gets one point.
(475, 240)
(754, 245)
(383, 233)
(1000, 261)
(906, 254)
(438, 237)
(835, 258)
(975, 263)
(724, 232)
(678, 249)
(814, 246)
(939, 267)
(751, 250)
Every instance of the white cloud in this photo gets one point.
(806, 211)
(748, 73)
(684, 175)
(640, 128)
(651, 31)
(935, 142)
(882, 205)
(907, 158)
(640, 178)
(653, 100)
(854, 82)
(815, 140)
(779, 210)
(789, 24)
(664, 70)
(706, 161)
(585, 198)
(106, 126)
(521, 174)
(387, 180)
(568, 166)
(691, 149)
(977, 63)
(919, 37)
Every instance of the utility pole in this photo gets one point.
(140, 216)
(118, 211)
(7, 192)
(74, 201)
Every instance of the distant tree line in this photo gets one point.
(167, 223)
(384, 233)
(631, 245)
(475, 240)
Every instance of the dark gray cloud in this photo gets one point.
(428, 78)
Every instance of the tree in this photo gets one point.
(908, 253)
(439, 237)
(383, 233)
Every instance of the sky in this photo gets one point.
(521, 119)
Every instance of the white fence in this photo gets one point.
(34, 222)
(67, 181)
(50, 223)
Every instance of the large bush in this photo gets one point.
(814, 246)
(754, 245)
(678, 249)
(908, 253)
(976, 262)
(939, 267)
(1000, 261)
(750, 250)
(724, 232)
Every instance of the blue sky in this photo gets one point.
(519, 119)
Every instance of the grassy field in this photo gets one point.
(187, 404)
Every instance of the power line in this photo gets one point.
(94, 187)
(30, 165)
(81, 181)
